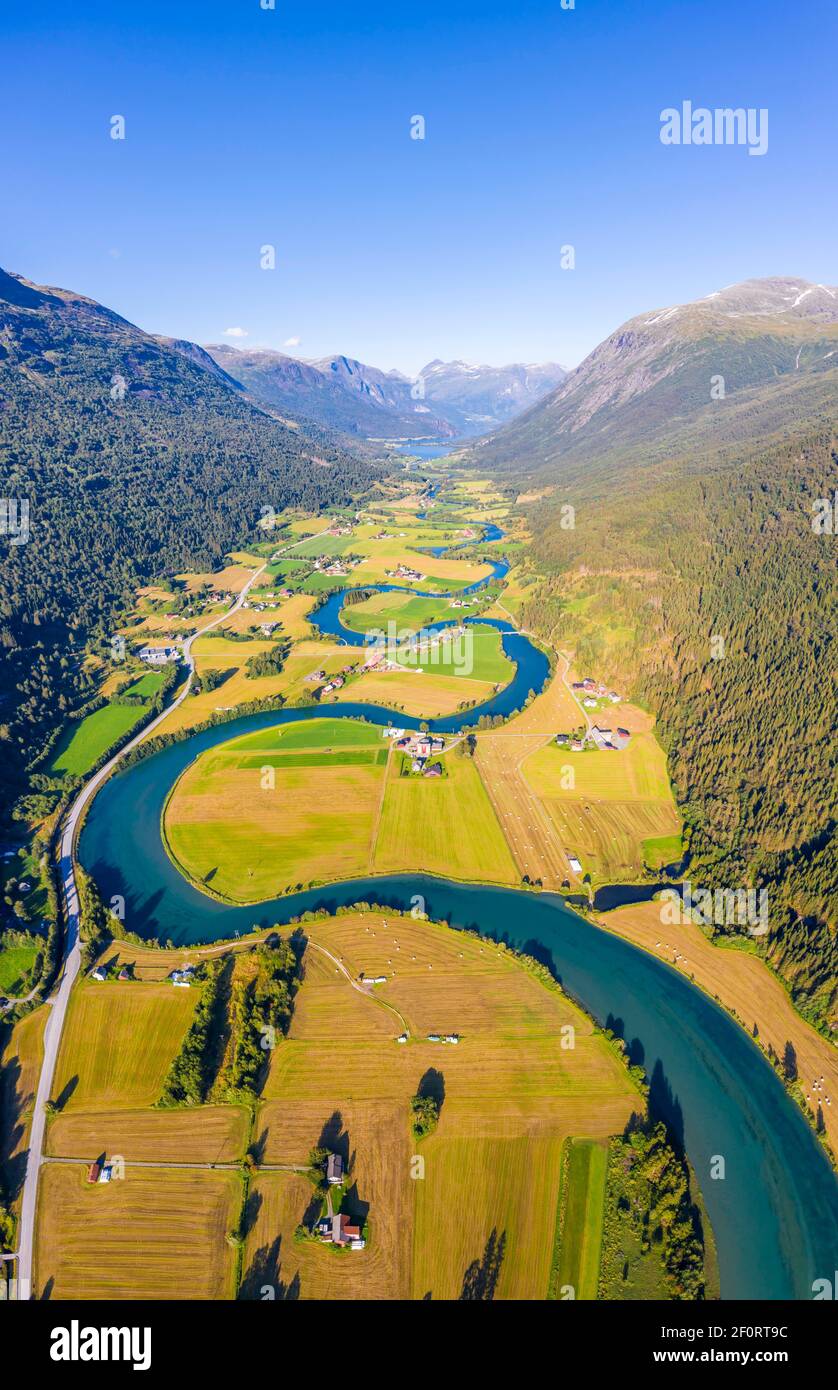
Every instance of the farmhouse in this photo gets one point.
(99, 973)
(340, 1230)
(589, 703)
(334, 1168)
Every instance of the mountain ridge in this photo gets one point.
(668, 371)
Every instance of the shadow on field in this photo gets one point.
(481, 1278)
(263, 1282)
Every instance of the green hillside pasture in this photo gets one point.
(83, 743)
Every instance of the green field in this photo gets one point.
(408, 611)
(147, 686)
(310, 733)
(83, 743)
(443, 826)
(660, 850)
(583, 1202)
(477, 655)
(248, 834)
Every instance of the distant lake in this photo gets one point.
(428, 451)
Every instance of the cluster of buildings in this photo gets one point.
(339, 528)
(405, 572)
(340, 1229)
(159, 656)
(444, 1037)
(419, 747)
(604, 739)
(330, 564)
(183, 977)
(591, 691)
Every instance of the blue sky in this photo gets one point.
(291, 127)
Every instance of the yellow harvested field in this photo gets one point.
(20, 1065)
(744, 984)
(607, 836)
(424, 694)
(374, 1139)
(292, 613)
(443, 826)
(248, 842)
(156, 1234)
(210, 1134)
(506, 1191)
(218, 654)
(511, 1093)
(388, 555)
(118, 1042)
(230, 580)
(636, 773)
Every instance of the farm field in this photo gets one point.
(156, 1234)
(444, 826)
(147, 685)
(219, 654)
(743, 983)
(613, 810)
(476, 655)
(208, 1134)
(534, 839)
(84, 741)
(15, 962)
(334, 811)
(583, 1202)
(407, 611)
(511, 1095)
(248, 841)
(100, 1065)
(21, 1054)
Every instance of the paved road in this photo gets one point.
(72, 959)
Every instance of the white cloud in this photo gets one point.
(235, 332)
(292, 342)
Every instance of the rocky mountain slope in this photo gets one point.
(736, 365)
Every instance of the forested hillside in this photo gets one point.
(704, 587)
(136, 460)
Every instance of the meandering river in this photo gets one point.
(775, 1210)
